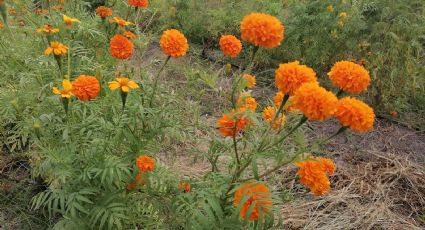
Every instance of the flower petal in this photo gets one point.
(114, 85)
(133, 85)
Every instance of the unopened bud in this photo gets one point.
(228, 69)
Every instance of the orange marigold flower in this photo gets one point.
(1, 25)
(123, 83)
(133, 185)
(349, 76)
(289, 106)
(56, 48)
(85, 87)
(258, 196)
(246, 101)
(262, 30)
(66, 90)
(173, 43)
(129, 35)
(315, 102)
(48, 29)
(230, 125)
(120, 21)
(69, 21)
(328, 165)
(139, 3)
(185, 186)
(120, 47)
(250, 81)
(269, 114)
(103, 11)
(290, 76)
(145, 163)
(312, 174)
(355, 114)
(230, 45)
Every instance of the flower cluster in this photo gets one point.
(314, 173)
(262, 30)
(255, 195)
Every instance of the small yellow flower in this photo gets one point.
(48, 29)
(343, 14)
(69, 21)
(123, 83)
(56, 48)
(120, 21)
(330, 8)
(66, 91)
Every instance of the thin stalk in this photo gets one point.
(235, 146)
(340, 130)
(156, 81)
(301, 122)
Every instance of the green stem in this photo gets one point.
(301, 122)
(235, 146)
(340, 93)
(341, 130)
(155, 86)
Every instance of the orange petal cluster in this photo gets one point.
(349, 76)
(85, 87)
(313, 173)
(262, 30)
(246, 102)
(230, 45)
(120, 47)
(315, 102)
(290, 76)
(249, 80)
(103, 11)
(289, 106)
(145, 163)
(355, 114)
(139, 3)
(173, 43)
(257, 195)
(231, 124)
(185, 187)
(269, 114)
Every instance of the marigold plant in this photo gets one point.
(103, 11)
(139, 3)
(313, 174)
(85, 87)
(355, 114)
(254, 194)
(315, 102)
(145, 163)
(230, 125)
(57, 48)
(65, 92)
(230, 45)
(121, 47)
(250, 81)
(262, 30)
(290, 76)
(173, 43)
(349, 76)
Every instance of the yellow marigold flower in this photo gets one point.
(48, 29)
(313, 172)
(145, 163)
(315, 102)
(129, 35)
(269, 114)
(123, 83)
(230, 45)
(139, 3)
(66, 90)
(103, 11)
(120, 21)
(173, 43)
(56, 48)
(250, 81)
(262, 30)
(246, 102)
(330, 8)
(69, 21)
(257, 195)
(349, 76)
(355, 114)
(290, 76)
(343, 14)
